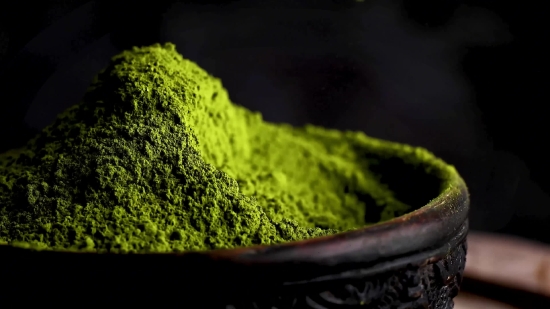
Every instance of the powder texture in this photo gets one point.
(156, 157)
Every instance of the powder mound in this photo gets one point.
(157, 158)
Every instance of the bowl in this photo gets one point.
(413, 261)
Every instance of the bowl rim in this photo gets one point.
(433, 225)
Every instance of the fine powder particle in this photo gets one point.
(156, 158)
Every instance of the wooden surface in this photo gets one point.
(510, 262)
(471, 301)
(506, 262)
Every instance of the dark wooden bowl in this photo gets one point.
(413, 261)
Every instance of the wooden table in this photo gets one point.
(505, 272)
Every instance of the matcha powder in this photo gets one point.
(157, 158)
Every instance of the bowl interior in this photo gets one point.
(411, 184)
(414, 175)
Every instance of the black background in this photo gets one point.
(461, 78)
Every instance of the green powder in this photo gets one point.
(157, 158)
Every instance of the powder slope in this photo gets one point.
(157, 158)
